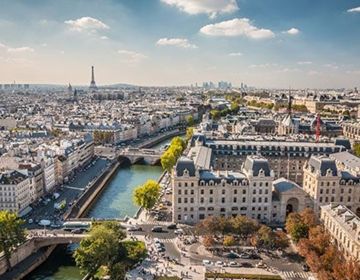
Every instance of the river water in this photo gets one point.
(114, 202)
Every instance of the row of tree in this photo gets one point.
(234, 227)
(103, 137)
(320, 253)
(105, 252)
(171, 155)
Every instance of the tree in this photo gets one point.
(168, 160)
(356, 149)
(208, 241)
(189, 133)
(296, 227)
(190, 121)
(215, 114)
(244, 226)
(234, 107)
(229, 240)
(118, 271)
(100, 248)
(147, 194)
(11, 234)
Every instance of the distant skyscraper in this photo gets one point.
(92, 83)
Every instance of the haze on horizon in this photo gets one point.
(279, 43)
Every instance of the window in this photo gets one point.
(186, 184)
(201, 191)
(254, 191)
(260, 191)
(235, 191)
(192, 192)
(201, 200)
(254, 184)
(192, 184)
(244, 200)
(253, 200)
(211, 200)
(211, 191)
(244, 192)
(222, 210)
(223, 191)
(179, 184)
(350, 190)
(321, 191)
(223, 200)
(265, 199)
(234, 200)
(266, 191)
(185, 192)
(179, 192)
(179, 199)
(192, 200)
(260, 200)
(179, 217)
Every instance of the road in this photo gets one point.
(71, 191)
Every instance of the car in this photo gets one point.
(231, 255)
(160, 249)
(30, 221)
(157, 229)
(305, 268)
(159, 245)
(172, 226)
(134, 228)
(233, 264)
(206, 262)
(246, 264)
(244, 256)
(77, 231)
(261, 265)
(219, 263)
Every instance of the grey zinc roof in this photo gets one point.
(256, 163)
(322, 164)
(348, 159)
(217, 176)
(201, 156)
(185, 163)
(283, 185)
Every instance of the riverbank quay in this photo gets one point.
(84, 202)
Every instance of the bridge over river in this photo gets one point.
(137, 155)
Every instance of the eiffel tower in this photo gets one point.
(93, 86)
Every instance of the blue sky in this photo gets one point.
(277, 43)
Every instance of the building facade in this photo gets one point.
(344, 227)
(326, 184)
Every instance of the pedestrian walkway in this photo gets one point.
(167, 240)
(292, 275)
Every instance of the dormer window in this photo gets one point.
(186, 172)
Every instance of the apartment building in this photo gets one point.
(286, 158)
(326, 184)
(344, 227)
(351, 130)
(14, 192)
(199, 191)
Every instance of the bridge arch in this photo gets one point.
(124, 161)
(292, 205)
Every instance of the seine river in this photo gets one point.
(115, 202)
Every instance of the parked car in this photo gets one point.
(244, 256)
(77, 231)
(233, 264)
(172, 226)
(207, 262)
(157, 229)
(246, 264)
(134, 228)
(219, 263)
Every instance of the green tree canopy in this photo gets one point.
(100, 248)
(190, 121)
(147, 194)
(11, 233)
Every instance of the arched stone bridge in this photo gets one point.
(56, 239)
(136, 155)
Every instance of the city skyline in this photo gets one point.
(177, 42)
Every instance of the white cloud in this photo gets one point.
(236, 54)
(177, 42)
(354, 10)
(20, 50)
(332, 66)
(16, 50)
(209, 7)
(237, 27)
(292, 31)
(44, 45)
(131, 56)
(86, 24)
(304, 62)
(104, 38)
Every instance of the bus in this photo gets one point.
(69, 226)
